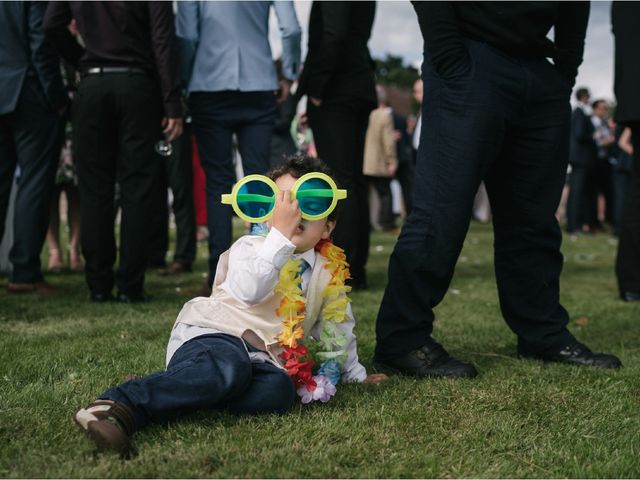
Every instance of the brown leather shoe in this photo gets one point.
(176, 268)
(37, 287)
(109, 424)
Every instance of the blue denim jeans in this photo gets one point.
(207, 372)
(503, 120)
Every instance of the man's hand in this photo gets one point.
(172, 128)
(283, 91)
(286, 214)
(375, 379)
(316, 101)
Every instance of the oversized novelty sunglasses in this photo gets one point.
(253, 198)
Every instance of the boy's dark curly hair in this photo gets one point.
(299, 165)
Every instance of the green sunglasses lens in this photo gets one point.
(314, 196)
(255, 199)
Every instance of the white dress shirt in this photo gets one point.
(250, 278)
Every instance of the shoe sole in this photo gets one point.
(561, 362)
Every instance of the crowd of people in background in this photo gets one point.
(92, 89)
(600, 167)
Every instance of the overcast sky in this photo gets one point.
(396, 31)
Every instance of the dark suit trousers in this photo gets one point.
(178, 175)
(506, 121)
(580, 205)
(339, 130)
(116, 120)
(406, 176)
(216, 117)
(385, 218)
(628, 261)
(30, 137)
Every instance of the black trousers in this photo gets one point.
(406, 176)
(339, 131)
(30, 138)
(385, 213)
(582, 201)
(504, 120)
(116, 119)
(178, 176)
(628, 260)
(621, 181)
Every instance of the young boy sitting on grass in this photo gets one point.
(243, 348)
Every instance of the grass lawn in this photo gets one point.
(517, 419)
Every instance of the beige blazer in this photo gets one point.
(379, 147)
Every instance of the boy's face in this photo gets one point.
(309, 232)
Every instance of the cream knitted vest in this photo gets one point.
(257, 324)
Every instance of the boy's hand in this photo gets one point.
(286, 214)
(375, 379)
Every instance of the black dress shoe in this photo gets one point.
(99, 297)
(573, 354)
(133, 297)
(630, 296)
(430, 360)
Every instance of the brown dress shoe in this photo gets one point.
(37, 287)
(176, 268)
(109, 424)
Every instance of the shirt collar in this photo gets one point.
(585, 108)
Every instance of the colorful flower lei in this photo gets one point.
(333, 341)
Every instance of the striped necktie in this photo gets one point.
(304, 265)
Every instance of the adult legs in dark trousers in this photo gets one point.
(30, 137)
(406, 176)
(382, 186)
(505, 120)
(628, 260)
(580, 209)
(339, 131)
(621, 181)
(116, 124)
(177, 175)
(603, 184)
(216, 117)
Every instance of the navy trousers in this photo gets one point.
(207, 372)
(216, 117)
(30, 138)
(504, 120)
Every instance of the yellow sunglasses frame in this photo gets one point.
(232, 198)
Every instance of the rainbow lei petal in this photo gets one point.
(333, 340)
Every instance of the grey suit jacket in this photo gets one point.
(24, 52)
